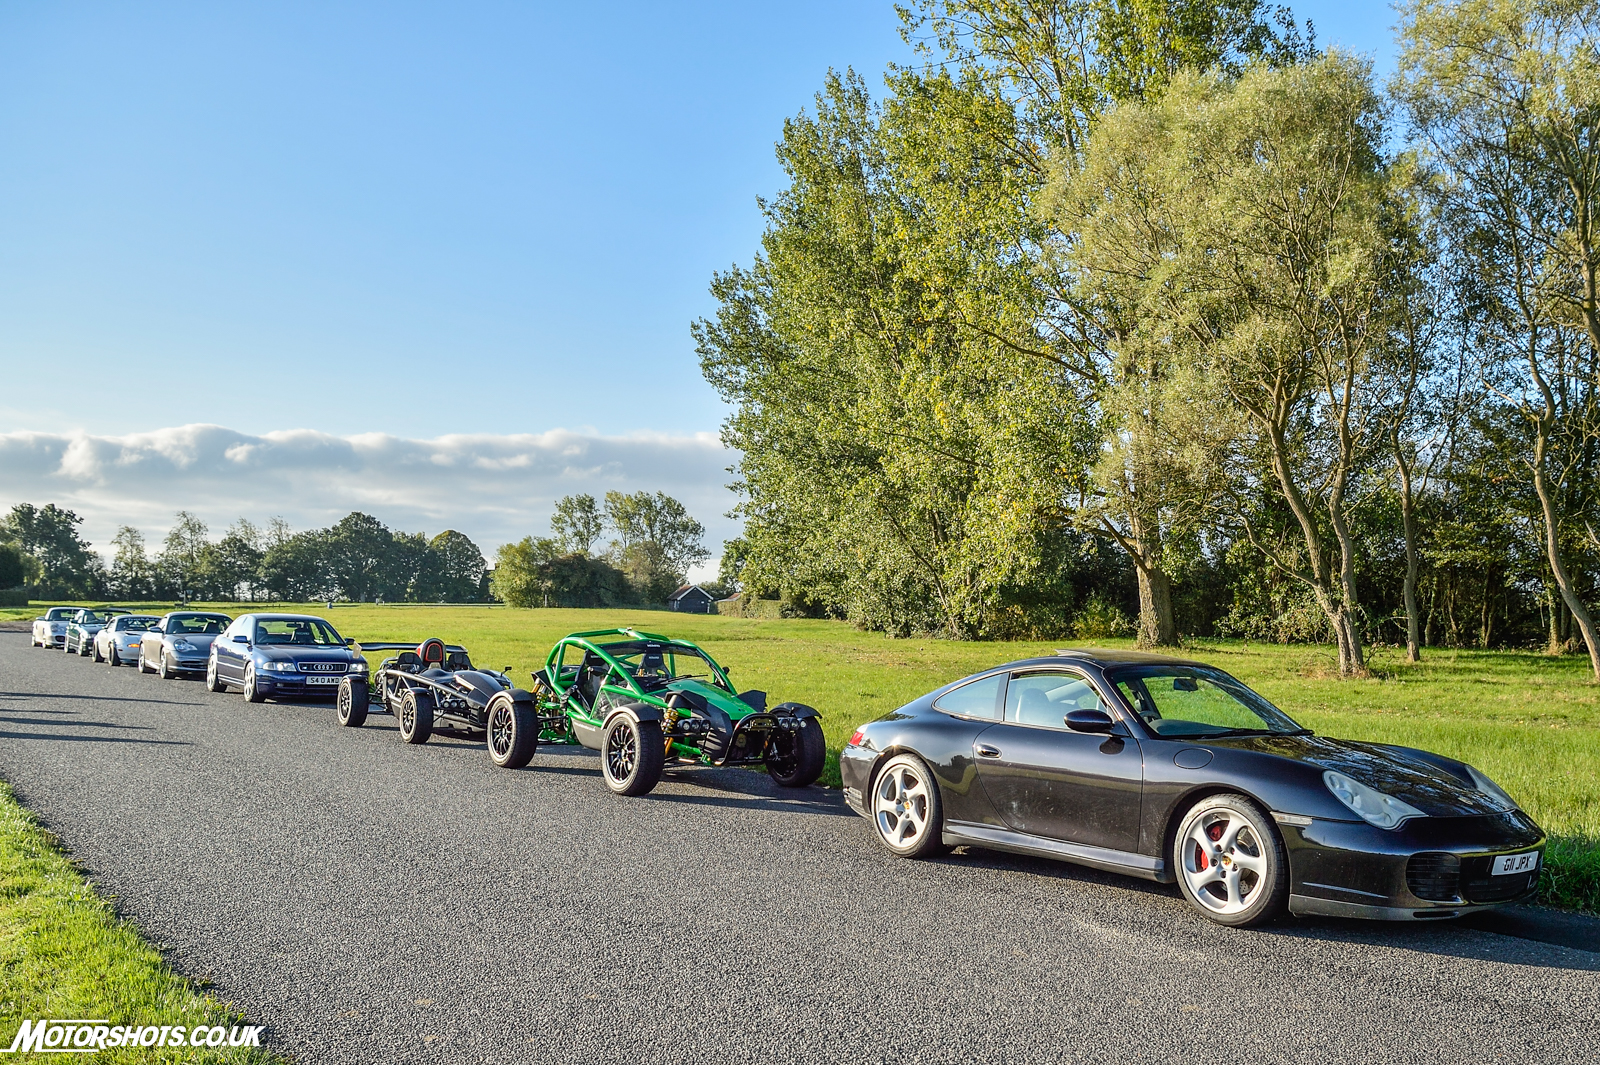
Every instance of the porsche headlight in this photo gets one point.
(1495, 792)
(1370, 804)
(182, 645)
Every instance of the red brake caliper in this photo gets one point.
(1215, 832)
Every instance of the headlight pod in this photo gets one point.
(279, 667)
(358, 666)
(1369, 804)
(182, 645)
(1495, 792)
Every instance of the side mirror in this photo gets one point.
(241, 638)
(1090, 721)
(349, 641)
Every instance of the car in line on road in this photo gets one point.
(646, 702)
(84, 626)
(281, 656)
(433, 685)
(180, 642)
(50, 628)
(1172, 770)
(119, 641)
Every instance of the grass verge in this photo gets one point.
(64, 953)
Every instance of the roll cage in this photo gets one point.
(605, 664)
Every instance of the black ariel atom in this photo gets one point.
(1173, 770)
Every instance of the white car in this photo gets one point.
(51, 629)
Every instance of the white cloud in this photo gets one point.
(494, 488)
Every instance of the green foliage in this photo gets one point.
(12, 569)
(59, 561)
(535, 573)
(577, 523)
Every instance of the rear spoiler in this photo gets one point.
(402, 647)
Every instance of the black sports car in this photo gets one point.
(1175, 771)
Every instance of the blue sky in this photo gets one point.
(420, 220)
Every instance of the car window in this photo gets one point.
(981, 698)
(60, 613)
(303, 632)
(196, 624)
(656, 665)
(132, 624)
(1192, 701)
(1047, 698)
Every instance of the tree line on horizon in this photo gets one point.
(358, 559)
(1157, 317)
(654, 542)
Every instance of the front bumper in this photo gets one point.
(290, 684)
(1428, 868)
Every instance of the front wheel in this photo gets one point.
(416, 716)
(906, 809)
(632, 754)
(352, 702)
(1230, 861)
(112, 656)
(513, 731)
(251, 692)
(798, 757)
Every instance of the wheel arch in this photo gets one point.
(1185, 802)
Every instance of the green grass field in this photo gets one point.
(1532, 722)
(64, 953)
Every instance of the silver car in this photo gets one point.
(118, 643)
(50, 630)
(180, 642)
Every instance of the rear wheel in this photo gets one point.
(164, 670)
(214, 683)
(251, 692)
(906, 809)
(513, 732)
(1231, 863)
(632, 754)
(799, 756)
(416, 716)
(143, 668)
(352, 702)
(97, 656)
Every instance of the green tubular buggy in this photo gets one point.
(646, 702)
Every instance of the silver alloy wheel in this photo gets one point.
(250, 682)
(1224, 863)
(211, 675)
(900, 806)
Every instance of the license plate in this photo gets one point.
(1514, 863)
(323, 680)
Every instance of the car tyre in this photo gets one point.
(164, 668)
(513, 732)
(143, 666)
(632, 754)
(95, 654)
(800, 756)
(252, 694)
(214, 683)
(1230, 861)
(416, 716)
(112, 658)
(352, 702)
(907, 812)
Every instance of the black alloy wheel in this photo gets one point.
(632, 755)
(352, 702)
(797, 757)
(513, 732)
(416, 716)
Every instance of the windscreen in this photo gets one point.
(300, 632)
(196, 624)
(656, 665)
(1196, 701)
(132, 624)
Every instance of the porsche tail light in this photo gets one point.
(857, 737)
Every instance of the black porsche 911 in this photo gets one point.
(1175, 771)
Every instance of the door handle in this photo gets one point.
(986, 751)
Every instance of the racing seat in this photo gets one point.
(408, 661)
(590, 679)
(457, 660)
(431, 653)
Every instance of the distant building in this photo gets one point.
(692, 599)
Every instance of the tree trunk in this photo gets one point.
(1558, 565)
(1156, 625)
(1408, 518)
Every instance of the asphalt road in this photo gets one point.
(373, 902)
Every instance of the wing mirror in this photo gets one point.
(241, 638)
(349, 641)
(1090, 721)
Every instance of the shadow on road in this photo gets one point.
(90, 739)
(52, 696)
(1446, 938)
(52, 721)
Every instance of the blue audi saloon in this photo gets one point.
(281, 655)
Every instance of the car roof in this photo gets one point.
(196, 614)
(1098, 657)
(288, 617)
